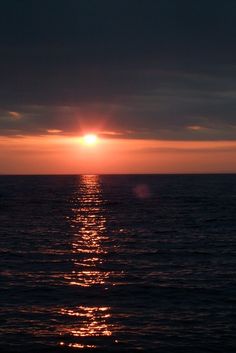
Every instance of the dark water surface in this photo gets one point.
(118, 263)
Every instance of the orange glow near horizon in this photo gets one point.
(56, 154)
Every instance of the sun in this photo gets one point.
(90, 139)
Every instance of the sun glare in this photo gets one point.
(90, 139)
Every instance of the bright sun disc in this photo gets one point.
(90, 139)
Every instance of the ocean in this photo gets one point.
(118, 263)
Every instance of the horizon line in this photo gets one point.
(76, 174)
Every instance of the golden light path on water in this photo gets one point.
(89, 225)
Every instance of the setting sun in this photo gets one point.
(90, 139)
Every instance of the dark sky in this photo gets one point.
(151, 69)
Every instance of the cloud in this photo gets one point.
(15, 115)
(119, 66)
(54, 131)
(195, 128)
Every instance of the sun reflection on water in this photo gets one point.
(89, 224)
(94, 321)
(91, 324)
(88, 249)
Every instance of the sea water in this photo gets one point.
(118, 262)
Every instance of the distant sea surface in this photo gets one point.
(118, 263)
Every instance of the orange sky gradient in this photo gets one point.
(69, 155)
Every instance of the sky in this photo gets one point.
(155, 80)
